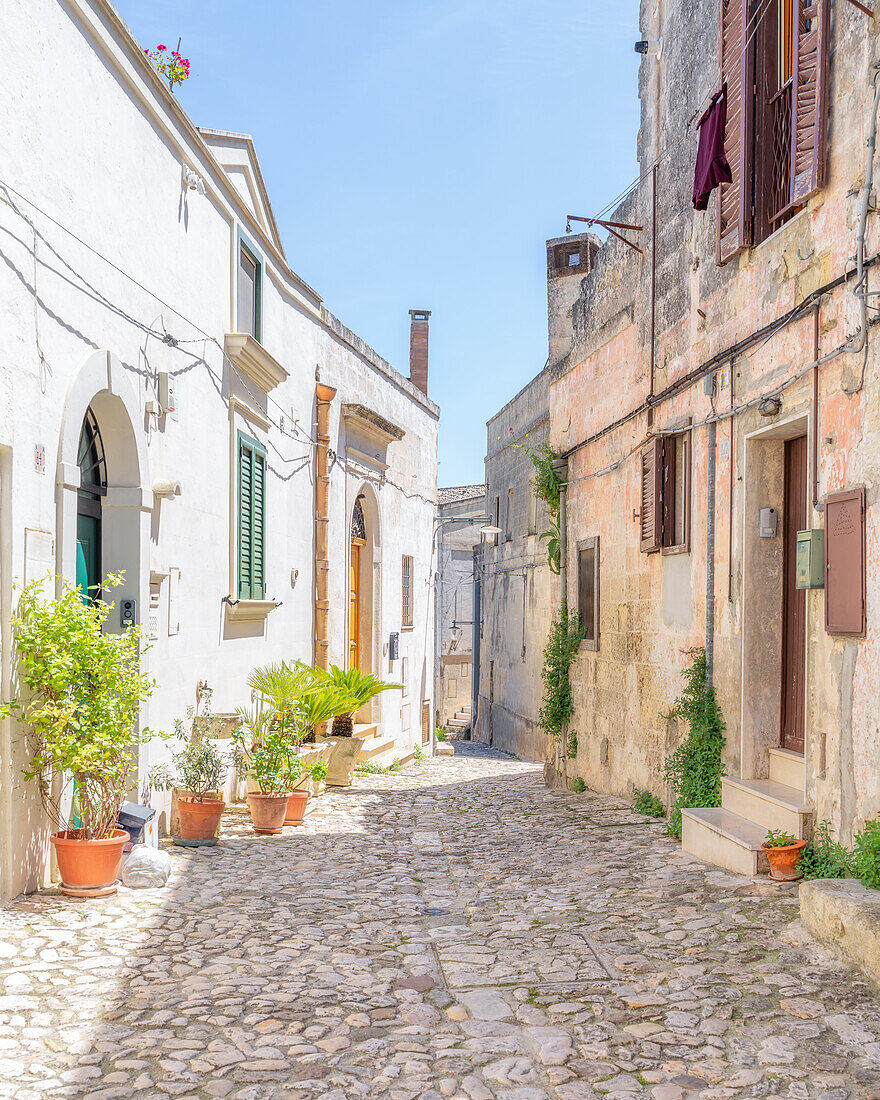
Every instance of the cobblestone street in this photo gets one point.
(450, 931)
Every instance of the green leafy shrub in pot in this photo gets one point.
(778, 838)
(198, 768)
(319, 772)
(85, 687)
(866, 855)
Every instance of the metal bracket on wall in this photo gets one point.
(612, 227)
(862, 7)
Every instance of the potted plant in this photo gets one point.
(356, 689)
(783, 851)
(199, 770)
(353, 689)
(302, 778)
(84, 690)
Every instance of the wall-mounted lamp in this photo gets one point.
(487, 529)
(166, 487)
(193, 182)
(650, 49)
(770, 406)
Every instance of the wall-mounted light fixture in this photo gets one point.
(770, 406)
(651, 49)
(166, 487)
(192, 181)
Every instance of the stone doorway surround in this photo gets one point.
(769, 793)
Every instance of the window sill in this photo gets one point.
(586, 646)
(793, 220)
(249, 357)
(249, 611)
(666, 551)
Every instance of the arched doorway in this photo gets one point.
(358, 543)
(92, 464)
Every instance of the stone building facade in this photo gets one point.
(460, 515)
(168, 381)
(716, 395)
(516, 593)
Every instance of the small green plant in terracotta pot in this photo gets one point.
(783, 852)
(266, 755)
(199, 770)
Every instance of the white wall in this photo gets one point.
(95, 142)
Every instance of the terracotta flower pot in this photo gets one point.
(199, 821)
(268, 812)
(89, 868)
(783, 861)
(296, 807)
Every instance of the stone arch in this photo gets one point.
(100, 383)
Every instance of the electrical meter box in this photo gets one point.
(810, 564)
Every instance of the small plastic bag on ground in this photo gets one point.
(146, 867)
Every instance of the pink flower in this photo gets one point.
(161, 47)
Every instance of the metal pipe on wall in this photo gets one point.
(710, 552)
(323, 397)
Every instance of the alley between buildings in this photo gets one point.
(454, 930)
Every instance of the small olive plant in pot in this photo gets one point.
(198, 769)
(84, 687)
(783, 852)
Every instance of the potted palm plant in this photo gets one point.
(352, 689)
(198, 770)
(357, 689)
(84, 691)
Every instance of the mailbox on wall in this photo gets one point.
(810, 565)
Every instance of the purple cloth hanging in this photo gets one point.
(712, 167)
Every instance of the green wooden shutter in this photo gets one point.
(251, 519)
(258, 546)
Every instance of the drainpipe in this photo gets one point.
(710, 555)
(323, 396)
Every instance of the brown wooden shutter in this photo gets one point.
(651, 505)
(845, 562)
(809, 114)
(736, 64)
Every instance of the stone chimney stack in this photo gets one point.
(418, 348)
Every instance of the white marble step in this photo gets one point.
(725, 839)
(788, 767)
(769, 804)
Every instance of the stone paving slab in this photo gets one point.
(451, 931)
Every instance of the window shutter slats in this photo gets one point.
(251, 521)
(734, 198)
(809, 109)
(258, 587)
(845, 562)
(650, 517)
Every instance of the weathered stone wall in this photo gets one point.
(653, 605)
(459, 520)
(517, 591)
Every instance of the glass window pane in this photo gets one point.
(247, 293)
(587, 591)
(679, 491)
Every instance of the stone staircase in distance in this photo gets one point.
(731, 835)
(461, 722)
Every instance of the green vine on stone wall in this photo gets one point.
(562, 644)
(694, 770)
(547, 485)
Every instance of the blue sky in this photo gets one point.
(418, 153)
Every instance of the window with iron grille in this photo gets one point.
(774, 61)
(406, 591)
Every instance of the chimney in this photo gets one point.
(418, 348)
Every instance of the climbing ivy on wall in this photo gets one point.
(547, 481)
(562, 643)
(694, 770)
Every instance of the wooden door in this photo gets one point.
(794, 600)
(354, 609)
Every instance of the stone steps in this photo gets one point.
(731, 835)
